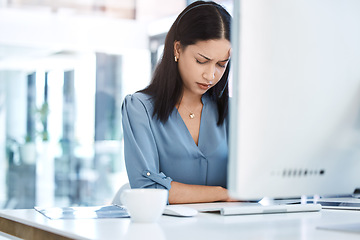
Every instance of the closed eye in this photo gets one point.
(221, 65)
(201, 62)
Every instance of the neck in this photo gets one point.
(190, 100)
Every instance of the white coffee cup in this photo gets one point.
(144, 205)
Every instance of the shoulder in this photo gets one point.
(137, 99)
(137, 104)
(138, 96)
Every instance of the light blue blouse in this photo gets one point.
(157, 153)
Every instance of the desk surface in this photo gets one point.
(30, 224)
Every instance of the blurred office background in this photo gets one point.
(65, 67)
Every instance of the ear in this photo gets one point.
(177, 48)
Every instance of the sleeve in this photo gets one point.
(141, 156)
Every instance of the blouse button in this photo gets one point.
(148, 174)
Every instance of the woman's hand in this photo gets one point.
(186, 193)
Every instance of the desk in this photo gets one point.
(30, 224)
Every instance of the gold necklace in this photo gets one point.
(191, 113)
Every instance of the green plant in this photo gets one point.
(43, 113)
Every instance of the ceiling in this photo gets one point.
(124, 9)
(134, 10)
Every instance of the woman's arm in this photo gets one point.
(185, 193)
(140, 149)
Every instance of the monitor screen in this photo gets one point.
(295, 105)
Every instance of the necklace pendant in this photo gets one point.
(191, 115)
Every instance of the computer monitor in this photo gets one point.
(295, 104)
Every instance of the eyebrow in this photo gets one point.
(209, 59)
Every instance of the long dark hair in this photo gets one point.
(200, 21)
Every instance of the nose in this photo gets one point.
(209, 73)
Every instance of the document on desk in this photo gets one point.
(242, 208)
(107, 211)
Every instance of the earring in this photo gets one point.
(176, 59)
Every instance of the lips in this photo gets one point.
(203, 86)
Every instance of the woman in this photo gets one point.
(176, 129)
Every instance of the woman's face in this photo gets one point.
(202, 65)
